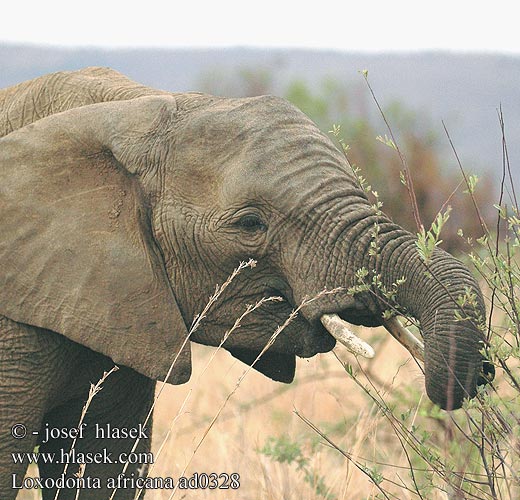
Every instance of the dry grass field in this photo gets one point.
(260, 410)
(256, 429)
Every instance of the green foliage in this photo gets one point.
(315, 106)
(427, 241)
(386, 140)
(285, 451)
(472, 183)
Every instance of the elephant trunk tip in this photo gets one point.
(487, 374)
(451, 394)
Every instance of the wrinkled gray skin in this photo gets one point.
(119, 218)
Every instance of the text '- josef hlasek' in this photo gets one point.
(106, 431)
(72, 455)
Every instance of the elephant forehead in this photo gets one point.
(292, 166)
(230, 127)
(255, 137)
(291, 162)
(237, 150)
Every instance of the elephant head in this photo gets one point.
(119, 218)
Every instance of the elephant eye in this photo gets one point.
(251, 223)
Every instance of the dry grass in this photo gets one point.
(260, 409)
(370, 450)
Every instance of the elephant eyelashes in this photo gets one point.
(251, 223)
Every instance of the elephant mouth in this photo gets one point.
(318, 337)
(277, 366)
(278, 362)
(312, 332)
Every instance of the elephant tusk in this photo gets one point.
(341, 332)
(405, 337)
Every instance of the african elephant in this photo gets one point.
(122, 207)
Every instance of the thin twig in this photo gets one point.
(402, 158)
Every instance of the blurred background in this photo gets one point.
(457, 64)
(436, 66)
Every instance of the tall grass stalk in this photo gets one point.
(219, 290)
(270, 342)
(94, 389)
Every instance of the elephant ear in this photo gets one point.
(77, 253)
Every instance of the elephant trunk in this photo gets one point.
(447, 301)
(442, 295)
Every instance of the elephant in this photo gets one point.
(122, 207)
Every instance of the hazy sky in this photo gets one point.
(344, 25)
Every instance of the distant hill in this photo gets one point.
(464, 90)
